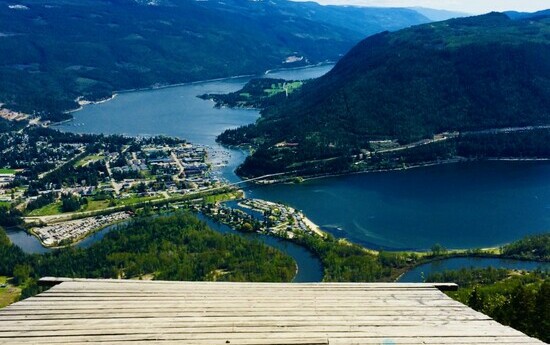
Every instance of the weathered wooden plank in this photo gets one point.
(116, 311)
(372, 341)
(7, 325)
(57, 280)
(341, 341)
(138, 325)
(229, 302)
(463, 333)
(486, 328)
(136, 313)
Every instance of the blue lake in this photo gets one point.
(467, 205)
(418, 274)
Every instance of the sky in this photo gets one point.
(468, 6)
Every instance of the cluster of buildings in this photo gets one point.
(6, 179)
(11, 115)
(71, 231)
(19, 150)
(182, 168)
(281, 218)
(261, 216)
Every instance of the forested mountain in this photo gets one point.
(53, 51)
(464, 74)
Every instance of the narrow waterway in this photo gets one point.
(310, 268)
(418, 274)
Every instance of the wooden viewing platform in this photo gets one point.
(82, 311)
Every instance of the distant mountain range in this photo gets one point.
(439, 15)
(53, 51)
(466, 75)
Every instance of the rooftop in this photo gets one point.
(78, 311)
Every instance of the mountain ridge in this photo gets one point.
(463, 74)
(55, 51)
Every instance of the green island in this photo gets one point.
(430, 94)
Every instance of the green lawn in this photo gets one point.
(5, 203)
(7, 171)
(146, 174)
(95, 205)
(210, 199)
(137, 199)
(88, 159)
(279, 88)
(48, 210)
(8, 294)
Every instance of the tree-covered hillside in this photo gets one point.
(464, 75)
(53, 51)
(177, 247)
(517, 299)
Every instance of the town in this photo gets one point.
(66, 186)
(256, 215)
(72, 231)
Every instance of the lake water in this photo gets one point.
(466, 205)
(177, 111)
(310, 268)
(418, 274)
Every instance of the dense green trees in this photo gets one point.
(52, 53)
(177, 247)
(462, 75)
(344, 261)
(10, 216)
(521, 301)
(71, 203)
(536, 247)
(40, 202)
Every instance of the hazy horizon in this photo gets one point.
(465, 6)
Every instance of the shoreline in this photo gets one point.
(79, 239)
(427, 165)
(82, 103)
(161, 87)
(415, 166)
(308, 222)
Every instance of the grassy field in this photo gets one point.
(137, 199)
(9, 293)
(88, 159)
(146, 174)
(94, 205)
(210, 199)
(279, 88)
(48, 210)
(5, 203)
(7, 171)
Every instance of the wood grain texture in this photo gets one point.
(80, 311)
